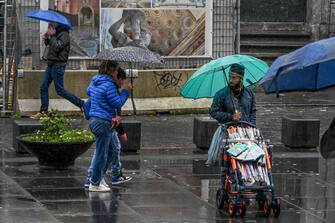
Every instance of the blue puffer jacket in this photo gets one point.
(104, 97)
(223, 109)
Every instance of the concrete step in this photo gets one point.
(254, 43)
(276, 36)
(274, 26)
(270, 46)
(149, 106)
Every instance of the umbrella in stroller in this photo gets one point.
(308, 68)
(131, 55)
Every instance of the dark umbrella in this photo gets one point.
(308, 68)
(131, 55)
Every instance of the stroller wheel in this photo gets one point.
(242, 209)
(220, 199)
(266, 207)
(231, 208)
(276, 207)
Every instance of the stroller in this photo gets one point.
(245, 171)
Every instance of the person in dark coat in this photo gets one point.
(327, 144)
(234, 102)
(57, 41)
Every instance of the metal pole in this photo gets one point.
(4, 68)
(238, 31)
(132, 89)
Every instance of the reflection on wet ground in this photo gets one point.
(174, 187)
(169, 185)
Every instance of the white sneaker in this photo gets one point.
(103, 182)
(100, 188)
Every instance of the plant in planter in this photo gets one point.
(55, 145)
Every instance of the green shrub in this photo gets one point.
(54, 130)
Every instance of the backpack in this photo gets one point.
(327, 144)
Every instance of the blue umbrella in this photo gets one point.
(308, 68)
(49, 16)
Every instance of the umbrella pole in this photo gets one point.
(132, 89)
(231, 98)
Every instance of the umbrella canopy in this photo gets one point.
(308, 68)
(213, 76)
(130, 54)
(49, 16)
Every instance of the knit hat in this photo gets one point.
(237, 68)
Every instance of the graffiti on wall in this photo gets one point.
(170, 79)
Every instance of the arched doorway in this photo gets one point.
(86, 16)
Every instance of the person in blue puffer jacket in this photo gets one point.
(104, 102)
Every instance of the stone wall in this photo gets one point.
(314, 16)
(273, 11)
(148, 84)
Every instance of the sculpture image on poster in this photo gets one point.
(84, 17)
(152, 3)
(168, 32)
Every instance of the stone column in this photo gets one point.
(318, 17)
(225, 27)
(331, 20)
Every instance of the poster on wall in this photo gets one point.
(84, 16)
(169, 28)
(152, 3)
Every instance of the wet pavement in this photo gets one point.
(170, 181)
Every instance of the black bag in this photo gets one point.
(327, 144)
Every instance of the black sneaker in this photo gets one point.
(119, 179)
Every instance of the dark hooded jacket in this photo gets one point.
(59, 47)
(222, 108)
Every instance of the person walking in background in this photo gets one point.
(57, 41)
(121, 135)
(104, 102)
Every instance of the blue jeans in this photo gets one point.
(56, 74)
(113, 159)
(103, 133)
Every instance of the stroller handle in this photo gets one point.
(239, 123)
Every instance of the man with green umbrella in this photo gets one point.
(234, 102)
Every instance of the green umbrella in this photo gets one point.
(213, 76)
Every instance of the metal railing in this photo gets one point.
(10, 56)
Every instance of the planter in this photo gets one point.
(203, 131)
(57, 155)
(133, 130)
(299, 132)
(23, 126)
